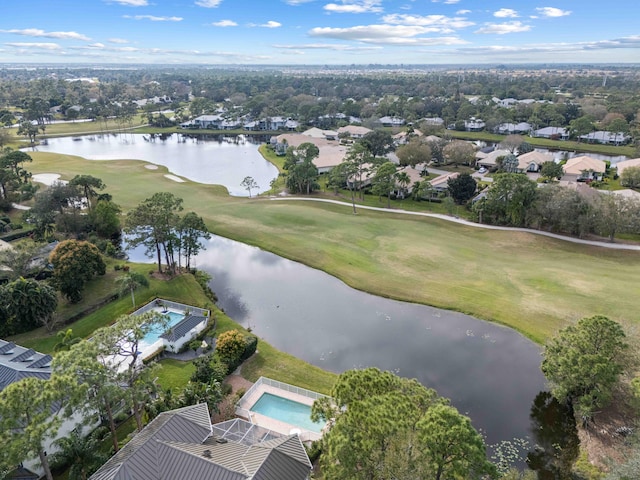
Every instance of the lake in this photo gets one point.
(218, 160)
(489, 372)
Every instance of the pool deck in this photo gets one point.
(271, 423)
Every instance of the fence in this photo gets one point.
(181, 307)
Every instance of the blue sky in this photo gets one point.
(319, 31)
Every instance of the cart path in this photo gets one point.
(595, 243)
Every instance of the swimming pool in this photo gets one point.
(154, 334)
(288, 411)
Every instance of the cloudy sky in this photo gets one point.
(319, 31)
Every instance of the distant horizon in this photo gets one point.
(317, 32)
(318, 65)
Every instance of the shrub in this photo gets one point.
(231, 345)
(251, 345)
(209, 368)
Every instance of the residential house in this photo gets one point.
(433, 121)
(204, 122)
(392, 121)
(532, 161)
(513, 128)
(404, 137)
(607, 138)
(183, 444)
(584, 168)
(18, 362)
(554, 133)
(441, 184)
(354, 131)
(331, 153)
(621, 166)
(474, 124)
(490, 160)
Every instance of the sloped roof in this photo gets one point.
(492, 157)
(633, 162)
(355, 130)
(443, 180)
(183, 327)
(534, 156)
(577, 165)
(18, 362)
(180, 445)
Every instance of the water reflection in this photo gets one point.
(557, 445)
(489, 372)
(218, 160)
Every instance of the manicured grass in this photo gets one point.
(174, 374)
(528, 282)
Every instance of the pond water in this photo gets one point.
(218, 160)
(489, 372)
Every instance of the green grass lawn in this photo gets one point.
(174, 374)
(531, 283)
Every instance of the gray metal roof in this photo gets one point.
(183, 327)
(18, 362)
(172, 446)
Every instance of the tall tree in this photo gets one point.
(89, 186)
(121, 343)
(451, 445)
(74, 264)
(359, 160)
(551, 171)
(82, 453)
(414, 152)
(369, 409)
(130, 282)
(191, 231)
(377, 142)
(29, 304)
(384, 181)
(302, 174)
(249, 184)
(462, 188)
(153, 223)
(583, 363)
(29, 415)
(459, 153)
(508, 200)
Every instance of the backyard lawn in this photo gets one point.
(534, 284)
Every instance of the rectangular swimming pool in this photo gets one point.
(288, 411)
(154, 335)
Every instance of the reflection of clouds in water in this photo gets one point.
(265, 258)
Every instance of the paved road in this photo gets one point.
(595, 243)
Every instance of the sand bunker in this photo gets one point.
(174, 178)
(48, 178)
(151, 166)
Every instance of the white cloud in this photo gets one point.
(43, 46)
(208, 3)
(131, 3)
(225, 23)
(355, 6)
(297, 2)
(386, 35)
(505, 13)
(326, 46)
(451, 2)
(36, 32)
(437, 21)
(96, 45)
(463, 12)
(153, 18)
(118, 40)
(552, 12)
(503, 28)
(271, 24)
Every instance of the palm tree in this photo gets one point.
(403, 180)
(130, 282)
(65, 340)
(82, 453)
